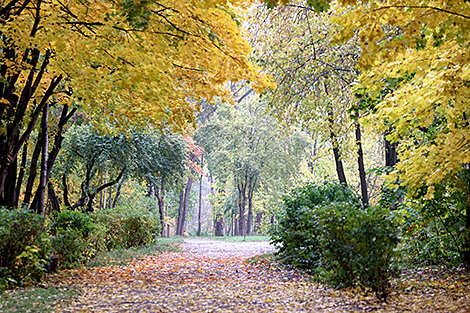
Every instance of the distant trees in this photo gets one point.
(247, 150)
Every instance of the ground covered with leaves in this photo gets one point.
(201, 280)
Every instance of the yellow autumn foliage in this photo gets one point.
(135, 62)
(430, 112)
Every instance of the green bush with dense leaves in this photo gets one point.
(24, 247)
(129, 226)
(77, 237)
(357, 246)
(325, 230)
(297, 227)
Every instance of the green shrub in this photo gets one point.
(129, 226)
(325, 230)
(76, 237)
(71, 246)
(434, 230)
(357, 246)
(69, 219)
(24, 247)
(297, 226)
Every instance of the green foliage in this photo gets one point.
(76, 238)
(324, 229)
(129, 226)
(71, 247)
(357, 246)
(76, 220)
(434, 229)
(24, 247)
(297, 228)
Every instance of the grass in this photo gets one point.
(35, 299)
(124, 256)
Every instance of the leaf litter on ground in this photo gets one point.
(192, 282)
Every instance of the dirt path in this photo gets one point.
(214, 276)
(211, 247)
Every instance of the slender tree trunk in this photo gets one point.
(251, 189)
(33, 171)
(360, 162)
(391, 155)
(187, 194)
(45, 147)
(66, 192)
(241, 207)
(336, 151)
(19, 181)
(337, 154)
(161, 197)
(466, 246)
(199, 214)
(53, 198)
(179, 225)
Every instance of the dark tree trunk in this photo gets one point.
(251, 189)
(466, 246)
(54, 200)
(241, 186)
(33, 170)
(391, 156)
(219, 226)
(336, 151)
(43, 176)
(14, 141)
(92, 195)
(19, 181)
(118, 192)
(199, 213)
(160, 194)
(360, 162)
(179, 225)
(187, 195)
(337, 155)
(66, 192)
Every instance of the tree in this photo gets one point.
(124, 62)
(428, 113)
(245, 147)
(313, 76)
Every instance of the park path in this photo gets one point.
(215, 276)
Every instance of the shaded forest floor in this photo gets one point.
(211, 276)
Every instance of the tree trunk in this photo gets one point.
(54, 200)
(33, 171)
(200, 208)
(179, 225)
(160, 197)
(391, 155)
(241, 208)
(337, 155)
(19, 181)
(251, 189)
(360, 162)
(336, 151)
(187, 195)
(466, 247)
(45, 151)
(219, 226)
